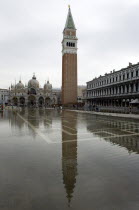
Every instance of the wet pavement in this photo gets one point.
(61, 160)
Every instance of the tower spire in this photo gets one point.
(70, 22)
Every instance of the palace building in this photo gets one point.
(33, 95)
(4, 96)
(69, 62)
(115, 89)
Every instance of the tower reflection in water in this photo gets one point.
(69, 153)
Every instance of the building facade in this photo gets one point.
(80, 92)
(69, 62)
(115, 89)
(4, 96)
(32, 95)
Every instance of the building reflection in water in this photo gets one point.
(122, 133)
(15, 121)
(69, 153)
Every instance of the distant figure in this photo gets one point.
(89, 107)
(96, 108)
(130, 109)
(2, 107)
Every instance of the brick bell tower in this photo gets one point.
(69, 62)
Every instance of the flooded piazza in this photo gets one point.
(53, 159)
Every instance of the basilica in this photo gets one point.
(33, 95)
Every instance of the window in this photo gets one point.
(137, 73)
(70, 44)
(131, 88)
(110, 91)
(127, 75)
(123, 77)
(120, 90)
(131, 74)
(123, 89)
(116, 90)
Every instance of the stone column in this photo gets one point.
(129, 88)
(125, 89)
(121, 89)
(114, 90)
(118, 90)
(134, 87)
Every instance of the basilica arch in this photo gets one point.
(32, 100)
(54, 101)
(15, 101)
(22, 101)
(47, 101)
(32, 91)
(41, 101)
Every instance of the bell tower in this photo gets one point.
(69, 62)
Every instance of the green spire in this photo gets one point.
(70, 23)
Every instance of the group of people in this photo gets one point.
(90, 107)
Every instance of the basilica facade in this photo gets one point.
(32, 95)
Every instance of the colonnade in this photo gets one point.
(115, 90)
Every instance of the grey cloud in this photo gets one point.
(31, 35)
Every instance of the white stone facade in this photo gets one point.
(4, 96)
(117, 88)
(32, 95)
(80, 93)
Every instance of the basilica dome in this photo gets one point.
(33, 83)
(47, 86)
(19, 85)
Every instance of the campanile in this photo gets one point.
(69, 62)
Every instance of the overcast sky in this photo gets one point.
(31, 35)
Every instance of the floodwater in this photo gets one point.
(62, 160)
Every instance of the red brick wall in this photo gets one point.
(69, 78)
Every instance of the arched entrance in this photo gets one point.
(22, 101)
(47, 101)
(15, 101)
(32, 101)
(41, 101)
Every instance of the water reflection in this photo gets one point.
(32, 172)
(119, 132)
(116, 131)
(69, 153)
(44, 119)
(15, 122)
